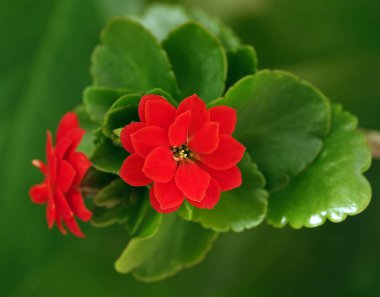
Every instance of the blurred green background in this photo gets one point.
(44, 66)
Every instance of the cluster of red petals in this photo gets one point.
(187, 153)
(63, 172)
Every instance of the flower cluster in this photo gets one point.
(185, 153)
(64, 171)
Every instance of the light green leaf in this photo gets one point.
(97, 101)
(130, 57)
(198, 60)
(241, 62)
(86, 145)
(242, 208)
(333, 186)
(281, 120)
(177, 244)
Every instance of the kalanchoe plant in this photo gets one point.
(187, 139)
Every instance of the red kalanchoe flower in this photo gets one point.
(63, 172)
(187, 153)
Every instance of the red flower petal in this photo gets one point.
(75, 200)
(66, 175)
(206, 139)
(159, 165)
(131, 171)
(76, 136)
(227, 155)
(142, 104)
(72, 225)
(39, 193)
(50, 212)
(68, 122)
(211, 198)
(81, 164)
(51, 158)
(200, 115)
(58, 221)
(227, 179)
(146, 139)
(125, 135)
(63, 207)
(192, 180)
(179, 130)
(40, 165)
(168, 195)
(157, 206)
(159, 113)
(62, 147)
(226, 117)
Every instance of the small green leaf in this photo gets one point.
(198, 60)
(108, 157)
(333, 186)
(97, 101)
(105, 217)
(242, 61)
(121, 113)
(281, 120)
(113, 194)
(87, 144)
(130, 57)
(239, 209)
(177, 244)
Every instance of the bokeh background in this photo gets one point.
(45, 52)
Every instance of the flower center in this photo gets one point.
(181, 152)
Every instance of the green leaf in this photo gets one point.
(105, 217)
(160, 19)
(87, 143)
(241, 208)
(97, 101)
(242, 61)
(121, 113)
(177, 244)
(198, 60)
(333, 186)
(281, 120)
(107, 156)
(130, 57)
(113, 194)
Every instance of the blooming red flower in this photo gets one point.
(63, 172)
(187, 153)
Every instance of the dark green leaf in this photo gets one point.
(281, 120)
(87, 144)
(130, 57)
(239, 209)
(241, 62)
(97, 101)
(107, 156)
(198, 60)
(105, 217)
(176, 244)
(333, 186)
(121, 113)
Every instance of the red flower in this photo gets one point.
(63, 172)
(187, 153)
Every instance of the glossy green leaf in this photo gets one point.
(242, 61)
(241, 208)
(97, 101)
(130, 57)
(177, 244)
(121, 113)
(333, 186)
(107, 156)
(281, 120)
(86, 145)
(198, 60)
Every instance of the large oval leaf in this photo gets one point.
(333, 186)
(281, 120)
(130, 57)
(198, 60)
(239, 209)
(177, 244)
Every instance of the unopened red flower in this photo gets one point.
(187, 153)
(63, 172)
